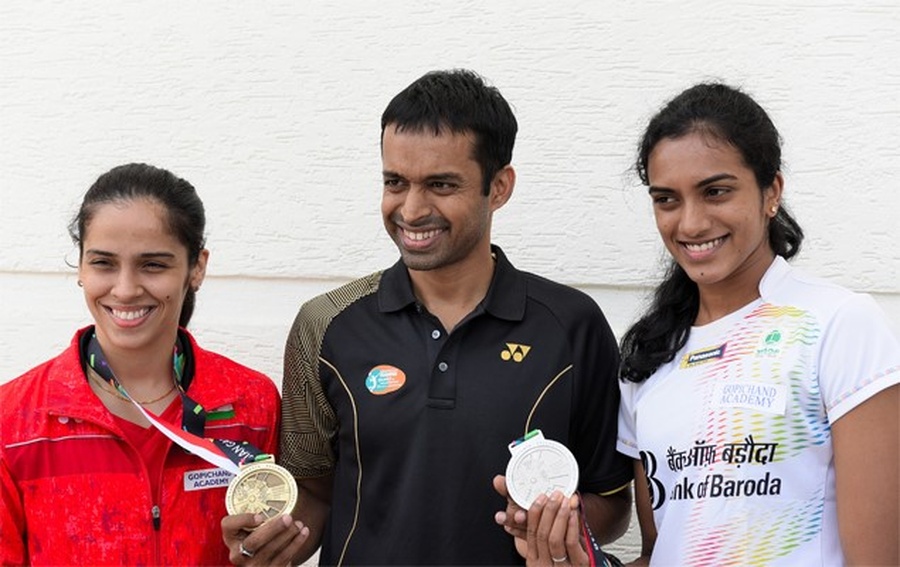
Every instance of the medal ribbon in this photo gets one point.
(223, 453)
(595, 554)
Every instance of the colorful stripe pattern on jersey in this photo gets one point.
(735, 433)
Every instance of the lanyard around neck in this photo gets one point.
(224, 453)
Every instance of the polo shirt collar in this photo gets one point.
(505, 298)
(395, 289)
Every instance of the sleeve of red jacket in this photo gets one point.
(12, 519)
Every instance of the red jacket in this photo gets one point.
(74, 491)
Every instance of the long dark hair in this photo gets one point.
(185, 214)
(732, 117)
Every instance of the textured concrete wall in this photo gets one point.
(272, 110)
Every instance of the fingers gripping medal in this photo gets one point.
(539, 466)
(263, 488)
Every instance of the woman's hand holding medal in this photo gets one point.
(542, 475)
(252, 539)
(554, 532)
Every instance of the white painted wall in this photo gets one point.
(271, 109)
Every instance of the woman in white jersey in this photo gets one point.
(760, 404)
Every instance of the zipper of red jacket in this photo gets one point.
(156, 508)
(156, 511)
(155, 514)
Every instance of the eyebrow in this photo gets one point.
(444, 176)
(702, 183)
(714, 178)
(105, 254)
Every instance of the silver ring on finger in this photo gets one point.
(561, 560)
(246, 552)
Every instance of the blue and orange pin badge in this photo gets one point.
(384, 379)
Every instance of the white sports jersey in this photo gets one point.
(735, 432)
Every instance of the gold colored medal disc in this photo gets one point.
(262, 488)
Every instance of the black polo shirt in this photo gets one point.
(415, 422)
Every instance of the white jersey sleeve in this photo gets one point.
(626, 442)
(860, 356)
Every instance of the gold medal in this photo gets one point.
(262, 488)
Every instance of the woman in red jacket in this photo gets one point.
(87, 475)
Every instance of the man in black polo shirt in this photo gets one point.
(403, 389)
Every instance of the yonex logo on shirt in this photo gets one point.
(515, 352)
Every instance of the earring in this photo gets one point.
(774, 210)
(80, 283)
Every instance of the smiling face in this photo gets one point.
(135, 275)
(433, 204)
(710, 212)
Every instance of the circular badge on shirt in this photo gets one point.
(384, 379)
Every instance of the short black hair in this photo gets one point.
(458, 101)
